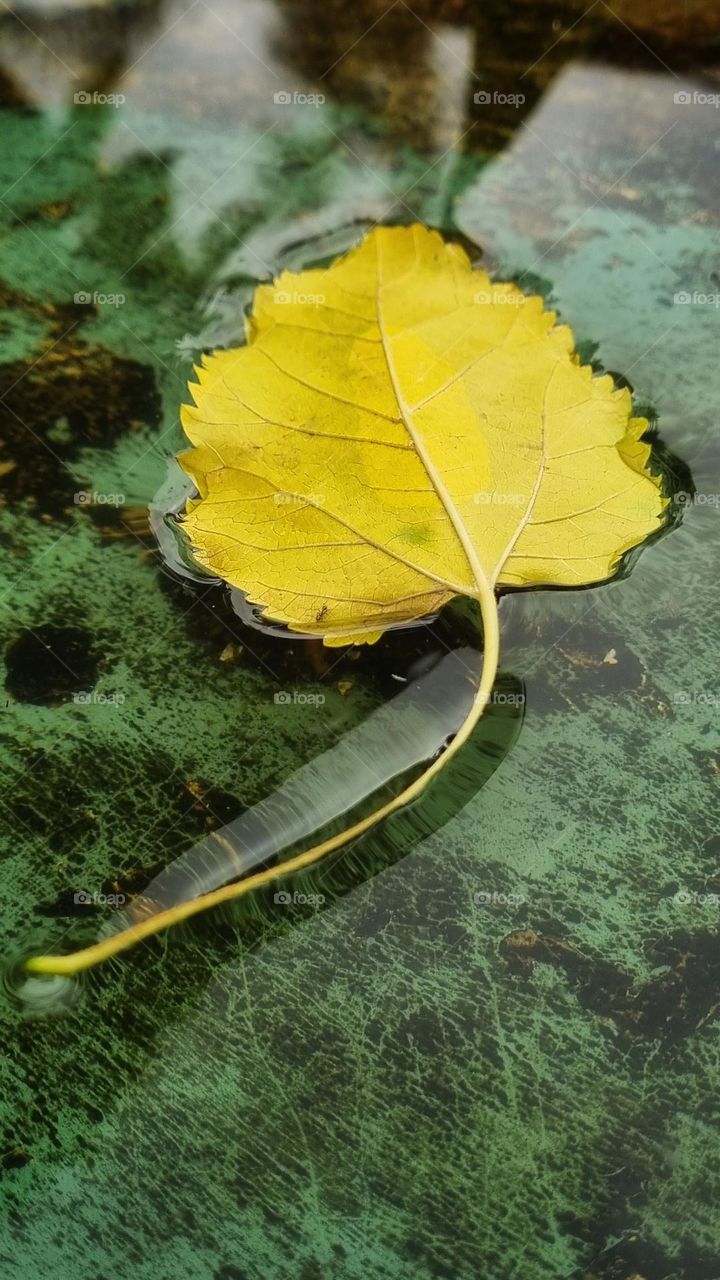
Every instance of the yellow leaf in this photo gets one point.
(399, 430)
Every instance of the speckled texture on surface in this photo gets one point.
(497, 1055)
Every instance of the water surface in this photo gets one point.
(491, 1050)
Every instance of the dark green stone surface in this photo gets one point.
(407, 1084)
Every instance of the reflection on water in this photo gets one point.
(417, 67)
(40, 996)
(409, 730)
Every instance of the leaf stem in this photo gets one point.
(125, 938)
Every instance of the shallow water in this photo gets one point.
(483, 1042)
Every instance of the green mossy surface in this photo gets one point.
(408, 1084)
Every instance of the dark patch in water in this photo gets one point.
(601, 663)
(53, 805)
(633, 1258)
(66, 396)
(383, 667)
(17, 1158)
(46, 665)
(669, 1008)
(50, 211)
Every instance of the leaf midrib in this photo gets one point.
(481, 579)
